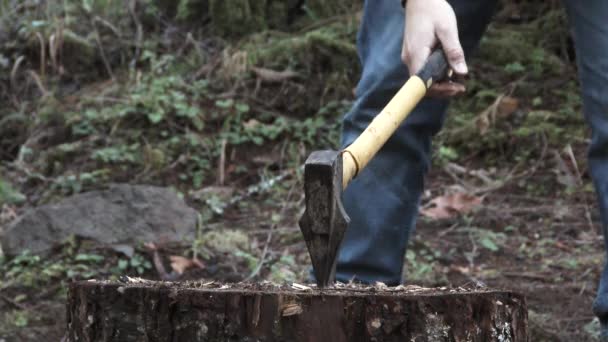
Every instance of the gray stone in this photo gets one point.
(120, 215)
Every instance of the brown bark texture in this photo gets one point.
(162, 311)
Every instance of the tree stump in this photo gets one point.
(139, 310)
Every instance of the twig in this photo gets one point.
(512, 176)
(42, 54)
(473, 252)
(139, 31)
(580, 183)
(108, 25)
(262, 259)
(324, 22)
(260, 187)
(269, 238)
(525, 275)
(38, 82)
(14, 70)
(221, 167)
(55, 48)
(14, 302)
(102, 52)
(447, 231)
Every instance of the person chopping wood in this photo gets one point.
(393, 42)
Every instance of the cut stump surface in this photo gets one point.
(140, 310)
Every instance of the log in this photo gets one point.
(139, 310)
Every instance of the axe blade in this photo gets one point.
(324, 221)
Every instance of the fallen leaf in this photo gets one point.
(461, 269)
(179, 264)
(565, 176)
(251, 124)
(451, 205)
(562, 246)
(502, 108)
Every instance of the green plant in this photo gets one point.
(118, 154)
(17, 318)
(446, 154)
(490, 240)
(252, 261)
(419, 265)
(159, 97)
(137, 263)
(20, 263)
(282, 270)
(73, 184)
(9, 195)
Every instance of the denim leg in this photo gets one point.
(383, 200)
(589, 21)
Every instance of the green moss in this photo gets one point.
(8, 195)
(328, 8)
(232, 18)
(192, 10)
(78, 50)
(276, 14)
(331, 48)
(530, 48)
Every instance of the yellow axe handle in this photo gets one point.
(358, 154)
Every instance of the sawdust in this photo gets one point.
(311, 289)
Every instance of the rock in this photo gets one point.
(120, 215)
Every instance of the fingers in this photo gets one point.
(416, 59)
(446, 89)
(430, 23)
(447, 33)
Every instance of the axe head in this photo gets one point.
(324, 221)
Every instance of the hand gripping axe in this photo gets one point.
(327, 173)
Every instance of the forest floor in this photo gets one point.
(227, 123)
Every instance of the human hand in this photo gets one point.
(428, 23)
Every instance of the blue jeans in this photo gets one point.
(383, 200)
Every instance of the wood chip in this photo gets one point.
(291, 309)
(300, 287)
(381, 286)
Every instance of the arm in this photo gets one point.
(429, 23)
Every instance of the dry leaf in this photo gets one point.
(251, 124)
(564, 175)
(179, 264)
(234, 64)
(451, 205)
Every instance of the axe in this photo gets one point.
(327, 173)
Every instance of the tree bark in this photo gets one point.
(155, 311)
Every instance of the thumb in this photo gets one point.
(452, 48)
